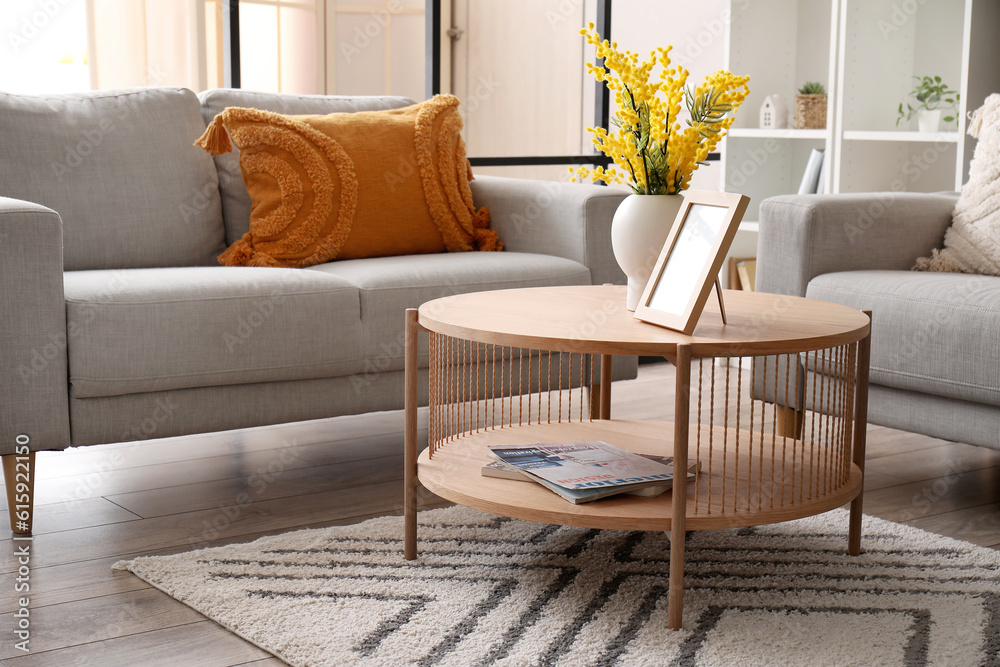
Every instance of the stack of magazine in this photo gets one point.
(584, 471)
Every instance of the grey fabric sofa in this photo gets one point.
(117, 323)
(935, 366)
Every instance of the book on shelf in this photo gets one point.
(810, 184)
(746, 272)
(585, 471)
(821, 179)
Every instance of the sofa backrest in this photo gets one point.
(120, 169)
(235, 199)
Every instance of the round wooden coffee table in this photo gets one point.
(772, 405)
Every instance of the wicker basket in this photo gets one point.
(810, 112)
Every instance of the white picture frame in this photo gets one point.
(690, 260)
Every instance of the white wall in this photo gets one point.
(698, 32)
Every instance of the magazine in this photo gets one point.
(649, 490)
(504, 471)
(583, 465)
(578, 496)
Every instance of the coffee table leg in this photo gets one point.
(675, 596)
(860, 440)
(410, 439)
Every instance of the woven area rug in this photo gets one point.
(495, 591)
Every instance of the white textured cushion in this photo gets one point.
(972, 243)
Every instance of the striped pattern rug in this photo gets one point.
(488, 590)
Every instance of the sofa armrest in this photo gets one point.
(803, 236)
(563, 219)
(34, 394)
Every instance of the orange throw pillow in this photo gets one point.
(352, 185)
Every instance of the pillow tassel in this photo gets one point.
(242, 253)
(237, 254)
(484, 238)
(215, 140)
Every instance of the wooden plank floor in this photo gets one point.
(97, 505)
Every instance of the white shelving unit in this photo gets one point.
(780, 44)
(866, 53)
(758, 133)
(871, 151)
(882, 135)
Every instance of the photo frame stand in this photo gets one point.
(722, 302)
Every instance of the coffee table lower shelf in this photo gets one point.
(759, 487)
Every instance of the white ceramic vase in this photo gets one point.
(929, 120)
(638, 231)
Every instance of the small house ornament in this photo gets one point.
(773, 113)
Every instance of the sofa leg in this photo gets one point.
(789, 421)
(594, 393)
(600, 394)
(19, 478)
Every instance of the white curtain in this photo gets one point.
(151, 43)
(179, 43)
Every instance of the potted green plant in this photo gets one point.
(810, 107)
(933, 96)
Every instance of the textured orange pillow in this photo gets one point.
(352, 185)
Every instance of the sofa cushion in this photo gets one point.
(931, 332)
(147, 330)
(119, 168)
(235, 198)
(972, 243)
(351, 185)
(390, 285)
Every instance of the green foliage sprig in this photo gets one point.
(930, 93)
(812, 88)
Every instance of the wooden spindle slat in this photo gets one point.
(711, 425)
(725, 438)
(739, 403)
(774, 431)
(760, 448)
(697, 450)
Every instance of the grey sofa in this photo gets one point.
(117, 323)
(935, 366)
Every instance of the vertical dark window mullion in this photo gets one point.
(432, 86)
(432, 48)
(231, 43)
(602, 98)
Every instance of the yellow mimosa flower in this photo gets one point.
(654, 154)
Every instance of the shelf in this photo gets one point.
(455, 473)
(758, 133)
(893, 135)
(781, 44)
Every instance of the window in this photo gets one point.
(45, 46)
(280, 46)
(375, 47)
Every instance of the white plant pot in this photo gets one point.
(929, 121)
(638, 231)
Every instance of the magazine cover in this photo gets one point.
(583, 465)
(503, 470)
